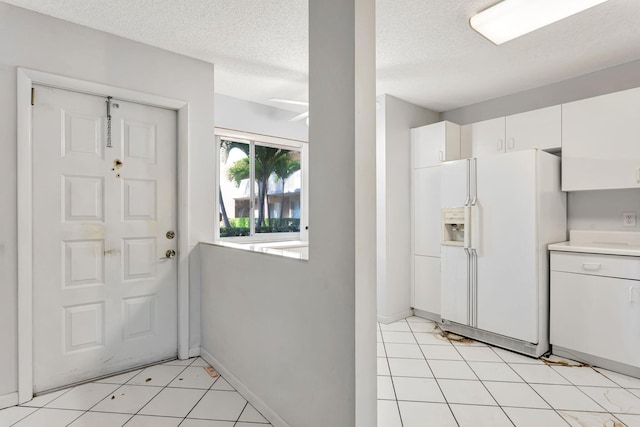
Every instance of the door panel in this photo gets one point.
(454, 285)
(427, 216)
(100, 218)
(506, 244)
(427, 284)
(453, 183)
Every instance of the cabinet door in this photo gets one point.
(487, 137)
(540, 129)
(607, 308)
(601, 142)
(426, 211)
(434, 144)
(427, 284)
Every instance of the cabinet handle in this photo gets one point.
(500, 145)
(631, 292)
(638, 176)
(441, 154)
(591, 266)
(511, 144)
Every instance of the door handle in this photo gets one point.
(466, 201)
(170, 254)
(112, 252)
(468, 253)
(475, 182)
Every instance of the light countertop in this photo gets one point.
(601, 242)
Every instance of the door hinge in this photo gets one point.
(33, 96)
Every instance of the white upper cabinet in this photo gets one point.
(487, 137)
(540, 129)
(434, 144)
(601, 142)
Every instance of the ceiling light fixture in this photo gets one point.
(510, 19)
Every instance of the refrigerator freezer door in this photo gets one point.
(506, 245)
(454, 284)
(454, 183)
(426, 211)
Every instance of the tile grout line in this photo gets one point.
(534, 390)
(38, 408)
(240, 414)
(161, 389)
(485, 386)
(205, 393)
(386, 359)
(446, 401)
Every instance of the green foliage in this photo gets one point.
(240, 227)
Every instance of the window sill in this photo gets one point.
(296, 249)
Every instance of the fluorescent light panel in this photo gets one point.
(510, 19)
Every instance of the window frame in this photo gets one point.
(269, 141)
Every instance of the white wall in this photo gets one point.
(247, 116)
(591, 210)
(394, 120)
(602, 209)
(300, 335)
(35, 41)
(621, 77)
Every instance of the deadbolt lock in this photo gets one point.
(171, 234)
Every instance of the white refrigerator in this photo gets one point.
(495, 286)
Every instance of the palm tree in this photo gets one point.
(265, 159)
(283, 169)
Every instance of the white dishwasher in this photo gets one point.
(595, 299)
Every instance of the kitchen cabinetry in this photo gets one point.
(601, 142)
(599, 294)
(434, 144)
(430, 146)
(487, 137)
(427, 280)
(541, 129)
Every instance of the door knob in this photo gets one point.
(170, 254)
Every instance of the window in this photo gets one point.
(260, 191)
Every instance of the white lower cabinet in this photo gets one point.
(594, 314)
(427, 284)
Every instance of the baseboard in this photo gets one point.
(257, 403)
(194, 352)
(427, 315)
(399, 316)
(8, 400)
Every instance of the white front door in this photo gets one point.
(104, 295)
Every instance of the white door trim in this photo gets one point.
(26, 78)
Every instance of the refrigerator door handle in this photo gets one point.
(466, 201)
(474, 288)
(468, 253)
(467, 227)
(475, 182)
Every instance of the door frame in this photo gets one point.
(26, 78)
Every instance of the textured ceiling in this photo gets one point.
(427, 54)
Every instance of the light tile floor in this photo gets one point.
(425, 379)
(177, 393)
